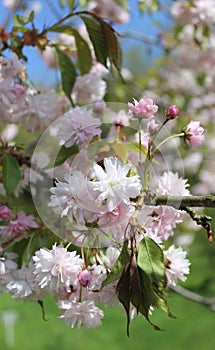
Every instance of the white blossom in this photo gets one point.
(80, 313)
(171, 184)
(113, 185)
(78, 126)
(177, 265)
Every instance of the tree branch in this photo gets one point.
(209, 302)
(179, 202)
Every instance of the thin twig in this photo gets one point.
(141, 37)
(209, 302)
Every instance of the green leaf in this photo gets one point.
(134, 147)
(41, 304)
(68, 73)
(64, 154)
(97, 36)
(120, 150)
(15, 41)
(98, 147)
(20, 21)
(139, 296)
(83, 50)
(84, 53)
(151, 260)
(123, 292)
(120, 264)
(145, 297)
(10, 174)
(152, 5)
(113, 47)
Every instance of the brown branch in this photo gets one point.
(209, 302)
(179, 202)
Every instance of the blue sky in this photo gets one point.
(138, 24)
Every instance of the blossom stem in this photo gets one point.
(139, 134)
(167, 139)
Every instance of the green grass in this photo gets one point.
(193, 329)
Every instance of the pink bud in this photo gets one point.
(172, 112)
(84, 278)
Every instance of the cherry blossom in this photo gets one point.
(109, 9)
(5, 213)
(144, 108)
(112, 185)
(56, 268)
(171, 184)
(78, 126)
(80, 313)
(88, 88)
(194, 134)
(177, 266)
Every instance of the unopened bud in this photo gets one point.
(84, 278)
(172, 112)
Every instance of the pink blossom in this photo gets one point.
(171, 184)
(78, 126)
(165, 219)
(9, 68)
(120, 118)
(152, 127)
(22, 223)
(144, 108)
(194, 134)
(5, 213)
(109, 9)
(57, 268)
(88, 88)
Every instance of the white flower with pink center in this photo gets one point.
(194, 134)
(112, 184)
(78, 126)
(83, 313)
(57, 268)
(177, 266)
(171, 184)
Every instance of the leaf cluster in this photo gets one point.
(141, 280)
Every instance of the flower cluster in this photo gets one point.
(22, 104)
